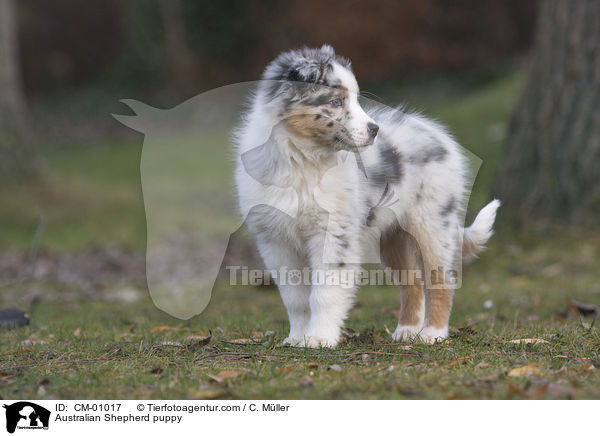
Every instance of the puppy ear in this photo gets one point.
(294, 75)
(326, 48)
(303, 72)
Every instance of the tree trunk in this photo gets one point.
(552, 167)
(16, 159)
(179, 56)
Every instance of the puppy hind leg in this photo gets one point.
(437, 314)
(438, 294)
(400, 252)
(412, 313)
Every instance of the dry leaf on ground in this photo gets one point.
(306, 381)
(224, 375)
(524, 371)
(207, 394)
(162, 328)
(171, 344)
(285, 369)
(581, 308)
(33, 342)
(200, 340)
(529, 341)
(243, 341)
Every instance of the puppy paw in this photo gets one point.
(318, 342)
(406, 332)
(293, 341)
(430, 335)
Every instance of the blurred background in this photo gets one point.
(517, 83)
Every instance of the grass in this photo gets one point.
(99, 349)
(110, 347)
(88, 196)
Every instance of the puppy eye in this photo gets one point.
(336, 102)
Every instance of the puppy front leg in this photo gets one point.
(329, 306)
(295, 294)
(296, 301)
(333, 290)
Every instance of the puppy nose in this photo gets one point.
(372, 128)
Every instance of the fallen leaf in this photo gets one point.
(285, 369)
(529, 341)
(553, 270)
(224, 375)
(207, 394)
(242, 341)
(162, 328)
(77, 331)
(33, 342)
(458, 361)
(171, 344)
(312, 365)
(492, 378)
(335, 367)
(524, 371)
(519, 282)
(583, 309)
(560, 390)
(306, 381)
(6, 377)
(200, 340)
(514, 389)
(588, 368)
(481, 365)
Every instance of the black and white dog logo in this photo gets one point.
(26, 415)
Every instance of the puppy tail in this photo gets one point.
(477, 234)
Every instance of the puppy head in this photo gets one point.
(315, 95)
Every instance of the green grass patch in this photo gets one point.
(78, 348)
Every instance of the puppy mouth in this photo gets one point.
(342, 144)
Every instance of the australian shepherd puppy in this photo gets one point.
(325, 187)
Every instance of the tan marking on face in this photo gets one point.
(310, 122)
(305, 126)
